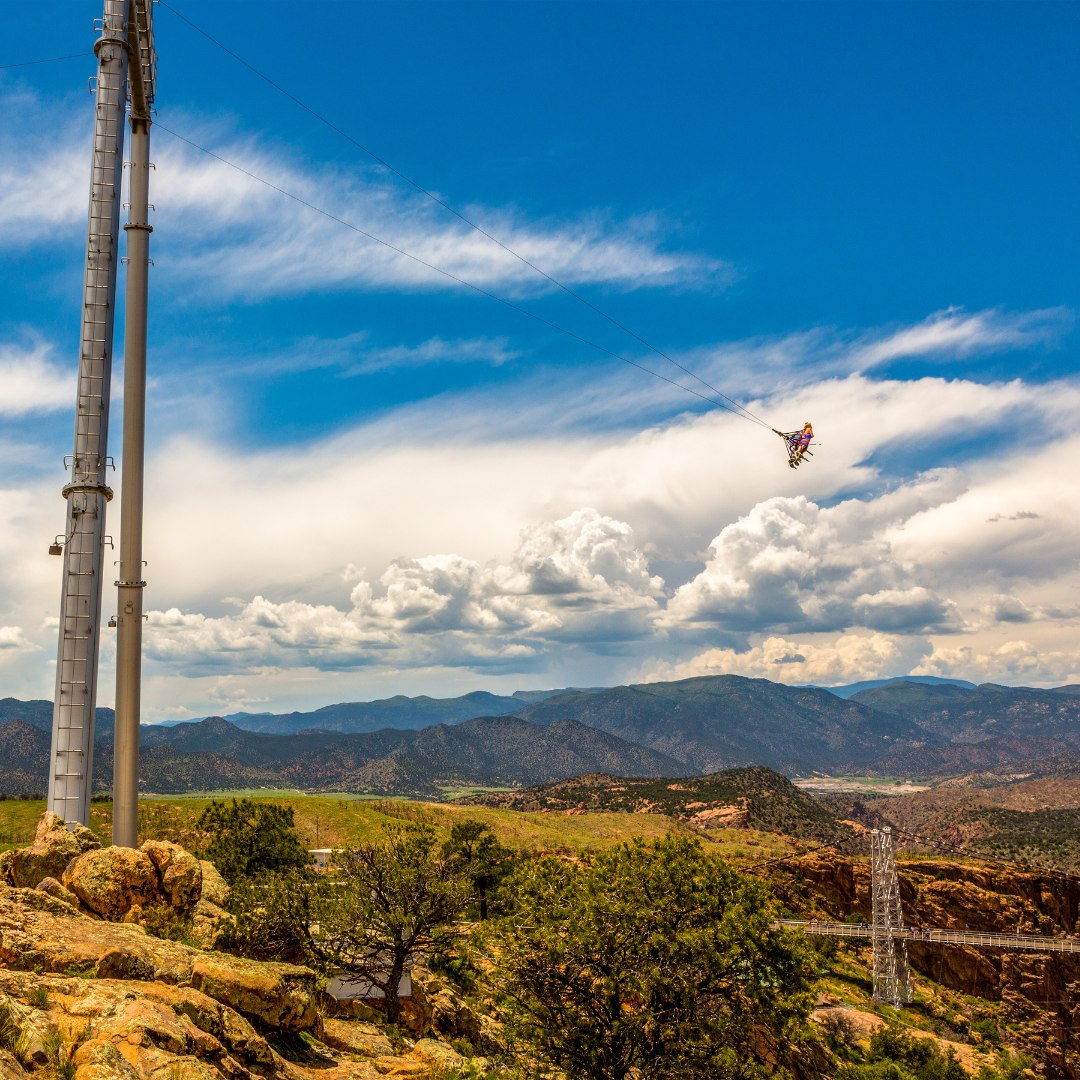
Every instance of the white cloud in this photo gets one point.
(850, 658)
(13, 639)
(44, 179)
(32, 383)
(1013, 662)
(493, 351)
(793, 566)
(579, 580)
(768, 365)
(464, 475)
(228, 235)
(956, 333)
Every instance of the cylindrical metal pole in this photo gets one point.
(129, 610)
(71, 754)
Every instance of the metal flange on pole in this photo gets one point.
(129, 611)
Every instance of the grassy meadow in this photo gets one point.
(339, 821)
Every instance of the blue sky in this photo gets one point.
(366, 480)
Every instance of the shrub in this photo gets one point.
(895, 1055)
(162, 920)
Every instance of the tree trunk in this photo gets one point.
(483, 906)
(390, 989)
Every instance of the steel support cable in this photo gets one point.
(472, 224)
(50, 60)
(158, 126)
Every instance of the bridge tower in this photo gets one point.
(892, 977)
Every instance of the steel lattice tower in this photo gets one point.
(892, 978)
(125, 66)
(71, 758)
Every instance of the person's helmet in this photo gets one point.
(808, 424)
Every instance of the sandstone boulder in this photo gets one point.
(181, 873)
(109, 881)
(53, 848)
(99, 1059)
(354, 1037)
(280, 995)
(63, 941)
(214, 887)
(124, 964)
(10, 1069)
(439, 1054)
(206, 919)
(52, 887)
(447, 1014)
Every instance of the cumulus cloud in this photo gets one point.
(791, 565)
(12, 639)
(1006, 608)
(1013, 662)
(849, 658)
(458, 476)
(31, 382)
(577, 580)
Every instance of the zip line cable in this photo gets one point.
(446, 273)
(742, 410)
(50, 60)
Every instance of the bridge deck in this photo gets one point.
(942, 937)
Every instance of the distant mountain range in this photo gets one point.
(405, 713)
(213, 754)
(725, 721)
(693, 726)
(872, 684)
(957, 714)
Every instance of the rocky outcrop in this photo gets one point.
(949, 895)
(181, 873)
(446, 1013)
(1036, 988)
(116, 1029)
(40, 933)
(82, 984)
(214, 888)
(53, 848)
(355, 1037)
(112, 880)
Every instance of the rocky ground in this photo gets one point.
(87, 993)
(90, 990)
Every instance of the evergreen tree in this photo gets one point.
(251, 839)
(475, 847)
(383, 906)
(652, 960)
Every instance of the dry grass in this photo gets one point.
(337, 822)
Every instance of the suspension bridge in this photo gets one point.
(889, 935)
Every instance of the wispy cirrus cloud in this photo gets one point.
(356, 354)
(226, 234)
(955, 333)
(767, 364)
